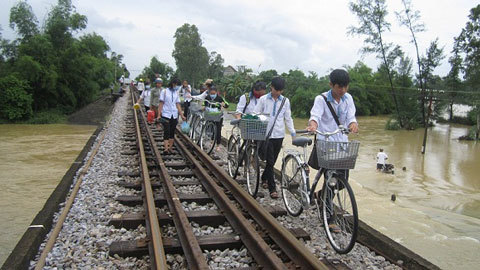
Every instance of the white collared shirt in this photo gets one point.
(243, 101)
(141, 86)
(381, 158)
(146, 96)
(170, 98)
(345, 110)
(186, 92)
(266, 105)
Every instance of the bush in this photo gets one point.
(48, 117)
(15, 102)
(392, 124)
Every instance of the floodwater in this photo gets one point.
(437, 209)
(33, 160)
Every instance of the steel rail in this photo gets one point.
(258, 248)
(191, 247)
(157, 253)
(293, 248)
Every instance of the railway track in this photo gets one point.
(198, 214)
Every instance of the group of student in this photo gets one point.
(167, 103)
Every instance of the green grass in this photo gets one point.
(47, 117)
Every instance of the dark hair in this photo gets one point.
(259, 85)
(340, 77)
(213, 87)
(278, 83)
(173, 81)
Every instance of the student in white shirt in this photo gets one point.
(270, 104)
(381, 159)
(186, 94)
(208, 84)
(248, 101)
(145, 96)
(140, 86)
(169, 109)
(321, 117)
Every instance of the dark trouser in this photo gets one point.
(147, 108)
(273, 148)
(186, 106)
(218, 139)
(169, 126)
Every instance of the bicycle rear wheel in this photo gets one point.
(252, 169)
(233, 147)
(293, 185)
(208, 137)
(339, 208)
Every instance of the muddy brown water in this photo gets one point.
(33, 160)
(437, 209)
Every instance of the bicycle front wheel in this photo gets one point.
(197, 130)
(252, 169)
(293, 185)
(340, 215)
(233, 147)
(208, 137)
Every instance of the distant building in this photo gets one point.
(229, 71)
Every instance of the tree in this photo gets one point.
(163, 70)
(215, 66)
(22, 18)
(453, 81)
(190, 56)
(15, 102)
(469, 45)
(268, 75)
(429, 62)
(411, 19)
(372, 16)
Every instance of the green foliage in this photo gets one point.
(156, 68)
(52, 116)
(303, 100)
(215, 66)
(63, 72)
(15, 102)
(190, 56)
(392, 124)
(22, 18)
(234, 86)
(469, 45)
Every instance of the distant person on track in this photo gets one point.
(186, 94)
(155, 97)
(322, 119)
(248, 101)
(145, 96)
(381, 159)
(140, 86)
(213, 96)
(169, 109)
(271, 104)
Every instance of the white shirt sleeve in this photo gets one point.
(288, 118)
(177, 99)
(351, 111)
(161, 97)
(142, 96)
(317, 110)
(242, 102)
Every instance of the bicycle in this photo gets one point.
(252, 131)
(205, 127)
(336, 205)
(194, 115)
(233, 146)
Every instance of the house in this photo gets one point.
(229, 71)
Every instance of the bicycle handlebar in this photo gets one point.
(340, 129)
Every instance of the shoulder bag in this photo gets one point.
(313, 159)
(263, 145)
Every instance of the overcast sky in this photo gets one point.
(261, 34)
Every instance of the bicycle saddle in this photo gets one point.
(302, 141)
(234, 122)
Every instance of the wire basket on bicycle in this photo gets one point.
(253, 129)
(337, 155)
(214, 116)
(194, 107)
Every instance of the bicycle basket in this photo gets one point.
(214, 116)
(194, 108)
(253, 129)
(337, 155)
